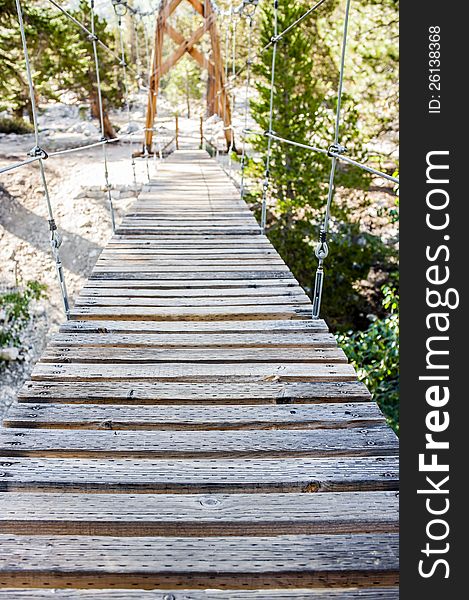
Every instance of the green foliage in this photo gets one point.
(14, 125)
(60, 54)
(184, 85)
(352, 254)
(375, 355)
(305, 100)
(15, 311)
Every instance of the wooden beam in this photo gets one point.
(198, 56)
(217, 96)
(155, 75)
(222, 103)
(198, 6)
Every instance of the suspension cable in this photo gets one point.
(250, 19)
(266, 182)
(85, 29)
(233, 75)
(338, 154)
(294, 24)
(94, 41)
(322, 249)
(37, 153)
(121, 10)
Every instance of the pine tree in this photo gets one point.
(305, 101)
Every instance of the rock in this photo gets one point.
(130, 128)
(9, 353)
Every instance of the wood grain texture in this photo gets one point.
(194, 416)
(374, 441)
(241, 475)
(196, 514)
(318, 561)
(137, 392)
(196, 372)
(180, 594)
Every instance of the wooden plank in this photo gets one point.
(194, 372)
(198, 275)
(240, 475)
(194, 302)
(179, 594)
(186, 263)
(289, 561)
(137, 392)
(306, 339)
(249, 294)
(374, 441)
(194, 417)
(187, 230)
(198, 515)
(219, 355)
(196, 313)
(188, 327)
(183, 284)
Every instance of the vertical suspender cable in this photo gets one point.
(265, 184)
(120, 11)
(322, 249)
(233, 79)
(55, 238)
(250, 19)
(94, 40)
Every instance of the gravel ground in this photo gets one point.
(82, 216)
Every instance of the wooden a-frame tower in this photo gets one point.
(217, 96)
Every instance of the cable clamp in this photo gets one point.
(92, 37)
(103, 139)
(336, 149)
(322, 249)
(122, 63)
(274, 39)
(38, 152)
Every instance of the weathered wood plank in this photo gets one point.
(195, 372)
(187, 284)
(219, 355)
(188, 293)
(197, 416)
(180, 594)
(212, 276)
(198, 515)
(246, 327)
(223, 393)
(241, 475)
(373, 441)
(289, 561)
(188, 313)
(209, 302)
(306, 339)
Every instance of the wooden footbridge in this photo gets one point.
(191, 433)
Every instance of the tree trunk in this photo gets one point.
(109, 132)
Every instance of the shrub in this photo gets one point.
(375, 355)
(15, 312)
(14, 125)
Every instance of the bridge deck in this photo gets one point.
(191, 430)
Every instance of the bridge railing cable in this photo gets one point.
(37, 152)
(335, 151)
